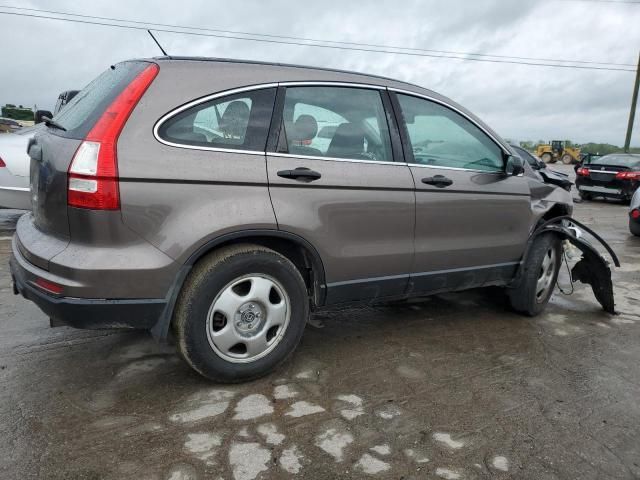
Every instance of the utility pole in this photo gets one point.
(632, 112)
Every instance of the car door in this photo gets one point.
(334, 181)
(472, 219)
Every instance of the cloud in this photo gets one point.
(46, 57)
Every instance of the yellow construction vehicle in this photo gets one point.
(557, 150)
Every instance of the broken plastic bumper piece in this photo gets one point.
(592, 268)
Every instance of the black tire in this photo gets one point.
(523, 296)
(209, 277)
(585, 196)
(634, 227)
(567, 159)
(547, 158)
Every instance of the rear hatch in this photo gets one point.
(52, 150)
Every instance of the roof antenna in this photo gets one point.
(157, 43)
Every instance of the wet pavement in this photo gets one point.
(453, 386)
(8, 220)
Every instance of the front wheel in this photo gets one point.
(241, 313)
(547, 158)
(533, 291)
(567, 159)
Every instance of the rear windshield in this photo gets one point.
(81, 113)
(619, 160)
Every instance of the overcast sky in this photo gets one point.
(39, 58)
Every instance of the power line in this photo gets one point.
(621, 2)
(318, 45)
(306, 39)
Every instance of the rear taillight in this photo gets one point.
(93, 179)
(583, 172)
(93, 173)
(635, 214)
(2, 164)
(628, 175)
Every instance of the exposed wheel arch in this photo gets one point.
(558, 210)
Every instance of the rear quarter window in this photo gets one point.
(81, 113)
(239, 122)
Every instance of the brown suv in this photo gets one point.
(227, 199)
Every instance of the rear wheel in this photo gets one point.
(531, 295)
(634, 227)
(241, 313)
(585, 196)
(547, 158)
(567, 159)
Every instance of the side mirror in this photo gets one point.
(42, 113)
(515, 166)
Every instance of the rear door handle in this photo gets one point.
(302, 174)
(439, 181)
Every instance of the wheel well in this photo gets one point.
(558, 210)
(304, 257)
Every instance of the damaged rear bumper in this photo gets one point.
(592, 268)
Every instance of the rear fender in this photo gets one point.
(591, 269)
(160, 330)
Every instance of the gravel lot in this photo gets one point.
(451, 386)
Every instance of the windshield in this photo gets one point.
(531, 160)
(630, 161)
(8, 121)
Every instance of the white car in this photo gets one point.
(14, 169)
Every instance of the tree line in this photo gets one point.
(590, 147)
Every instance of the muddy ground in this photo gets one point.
(452, 386)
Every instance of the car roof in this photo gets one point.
(279, 64)
(624, 159)
(241, 72)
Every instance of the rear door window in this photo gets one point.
(336, 122)
(443, 138)
(239, 122)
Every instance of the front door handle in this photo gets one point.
(302, 174)
(439, 181)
